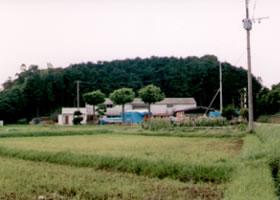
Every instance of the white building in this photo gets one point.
(67, 115)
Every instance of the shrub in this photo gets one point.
(54, 115)
(244, 113)
(229, 112)
(77, 117)
(263, 119)
(22, 121)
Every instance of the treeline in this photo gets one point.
(38, 92)
(268, 101)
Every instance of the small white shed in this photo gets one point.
(67, 116)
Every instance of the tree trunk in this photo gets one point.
(149, 108)
(37, 111)
(123, 113)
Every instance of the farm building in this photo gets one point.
(67, 115)
(192, 112)
(166, 107)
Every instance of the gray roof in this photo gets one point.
(173, 101)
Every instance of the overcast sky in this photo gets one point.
(71, 31)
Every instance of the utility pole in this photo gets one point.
(247, 23)
(221, 87)
(78, 94)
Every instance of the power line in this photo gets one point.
(254, 8)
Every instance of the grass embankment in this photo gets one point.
(270, 136)
(24, 180)
(51, 130)
(184, 159)
(252, 178)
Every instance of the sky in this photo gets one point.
(64, 32)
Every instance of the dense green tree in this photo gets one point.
(121, 97)
(268, 101)
(151, 94)
(94, 98)
(44, 91)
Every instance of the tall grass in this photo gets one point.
(204, 122)
(155, 124)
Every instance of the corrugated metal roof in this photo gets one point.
(72, 110)
(173, 101)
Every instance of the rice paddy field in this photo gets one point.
(128, 162)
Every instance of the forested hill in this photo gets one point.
(41, 92)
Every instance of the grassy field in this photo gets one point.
(122, 162)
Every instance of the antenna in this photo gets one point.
(259, 19)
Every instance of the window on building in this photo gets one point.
(136, 107)
(109, 105)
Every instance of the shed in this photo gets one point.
(192, 112)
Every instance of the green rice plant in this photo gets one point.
(160, 169)
(153, 148)
(30, 180)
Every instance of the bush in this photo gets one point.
(54, 115)
(155, 124)
(244, 113)
(77, 118)
(22, 121)
(229, 112)
(263, 119)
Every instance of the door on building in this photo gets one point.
(66, 119)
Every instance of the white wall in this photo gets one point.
(117, 109)
(62, 119)
(182, 107)
(159, 109)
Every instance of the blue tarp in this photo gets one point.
(134, 117)
(214, 114)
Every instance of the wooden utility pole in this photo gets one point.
(221, 87)
(247, 23)
(78, 95)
